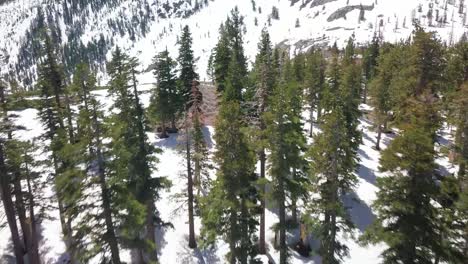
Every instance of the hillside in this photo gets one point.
(326, 131)
(87, 30)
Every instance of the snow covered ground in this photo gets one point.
(173, 243)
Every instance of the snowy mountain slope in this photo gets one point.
(144, 27)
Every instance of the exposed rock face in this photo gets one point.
(341, 12)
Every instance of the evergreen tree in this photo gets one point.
(94, 236)
(371, 54)
(382, 94)
(132, 161)
(53, 111)
(222, 58)
(230, 207)
(164, 98)
(408, 218)
(5, 184)
(264, 86)
(315, 84)
(187, 72)
(285, 141)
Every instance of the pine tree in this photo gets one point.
(52, 112)
(371, 55)
(331, 175)
(285, 142)
(200, 150)
(230, 207)
(186, 63)
(222, 58)
(164, 98)
(5, 185)
(92, 232)
(264, 86)
(193, 127)
(381, 88)
(333, 156)
(315, 84)
(408, 219)
(132, 161)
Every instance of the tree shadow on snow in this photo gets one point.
(170, 142)
(361, 214)
(367, 174)
(208, 136)
(363, 154)
(44, 248)
(160, 239)
(189, 255)
(7, 256)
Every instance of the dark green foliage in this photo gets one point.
(409, 220)
(315, 83)
(165, 100)
(187, 72)
(231, 205)
(286, 143)
(230, 64)
(131, 160)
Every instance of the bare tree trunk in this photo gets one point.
(20, 209)
(34, 257)
(105, 196)
(8, 206)
(262, 244)
(311, 134)
(294, 202)
(282, 226)
(379, 136)
(192, 242)
(232, 240)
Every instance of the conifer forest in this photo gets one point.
(239, 132)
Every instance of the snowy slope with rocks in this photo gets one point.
(145, 27)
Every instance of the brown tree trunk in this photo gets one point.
(192, 242)
(20, 209)
(311, 132)
(262, 244)
(105, 195)
(8, 206)
(282, 225)
(379, 136)
(151, 256)
(34, 257)
(294, 202)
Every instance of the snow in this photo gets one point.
(16, 16)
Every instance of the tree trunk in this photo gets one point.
(282, 223)
(34, 257)
(232, 236)
(379, 136)
(151, 256)
(8, 206)
(261, 244)
(311, 132)
(245, 232)
(364, 96)
(69, 120)
(105, 196)
(192, 242)
(294, 202)
(20, 209)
